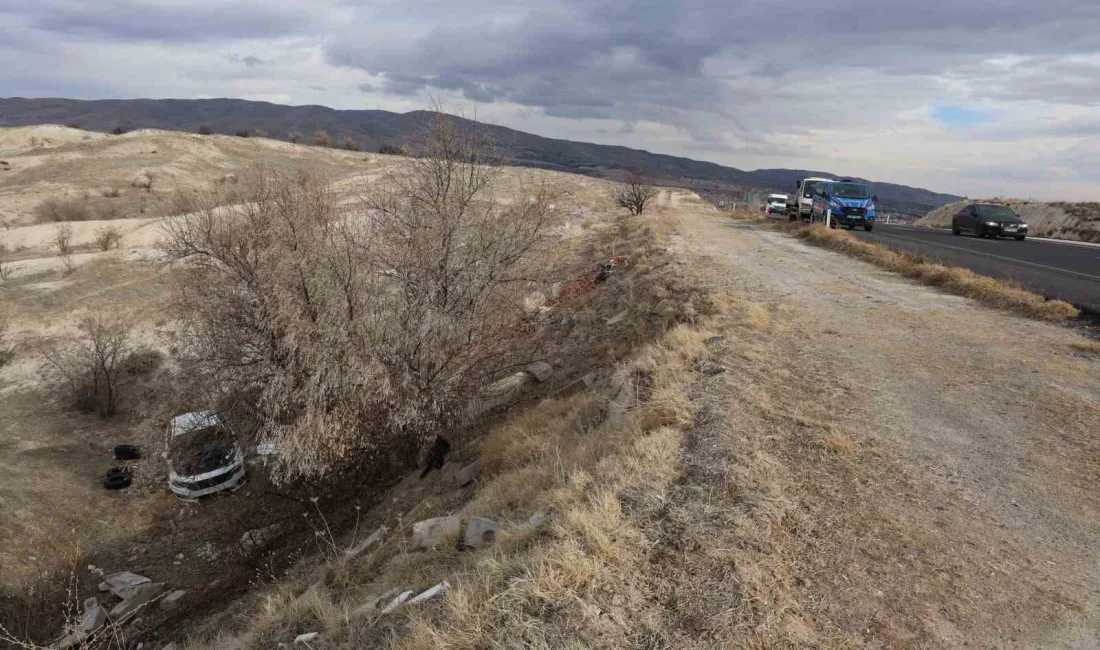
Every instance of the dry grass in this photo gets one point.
(989, 291)
(1088, 348)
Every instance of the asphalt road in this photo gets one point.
(1056, 269)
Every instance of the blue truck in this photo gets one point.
(844, 203)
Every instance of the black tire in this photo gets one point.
(979, 232)
(868, 226)
(117, 479)
(1021, 237)
(127, 452)
(955, 228)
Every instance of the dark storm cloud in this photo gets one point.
(650, 60)
(148, 20)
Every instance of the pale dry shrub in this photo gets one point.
(62, 210)
(63, 239)
(90, 366)
(322, 139)
(108, 237)
(359, 331)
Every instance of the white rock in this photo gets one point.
(307, 637)
(94, 616)
(540, 516)
(117, 582)
(466, 475)
(361, 547)
(172, 600)
(138, 597)
(540, 370)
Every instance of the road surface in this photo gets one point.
(1057, 269)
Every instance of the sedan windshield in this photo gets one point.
(995, 212)
(851, 191)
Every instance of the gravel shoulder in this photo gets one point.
(924, 469)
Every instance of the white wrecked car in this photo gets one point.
(203, 455)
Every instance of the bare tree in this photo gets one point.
(635, 193)
(91, 365)
(322, 139)
(5, 265)
(63, 239)
(7, 350)
(144, 180)
(108, 237)
(351, 144)
(295, 136)
(358, 331)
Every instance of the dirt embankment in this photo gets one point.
(1059, 220)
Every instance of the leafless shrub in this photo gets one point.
(351, 144)
(144, 181)
(63, 239)
(259, 133)
(62, 210)
(322, 139)
(391, 150)
(112, 193)
(7, 350)
(108, 237)
(635, 193)
(91, 366)
(5, 264)
(358, 332)
(205, 130)
(118, 130)
(295, 136)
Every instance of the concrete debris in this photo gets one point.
(432, 532)
(466, 475)
(307, 637)
(430, 593)
(361, 547)
(257, 538)
(136, 599)
(481, 532)
(372, 604)
(540, 370)
(709, 368)
(540, 516)
(397, 602)
(94, 616)
(172, 600)
(119, 583)
(500, 392)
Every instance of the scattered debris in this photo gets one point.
(94, 616)
(709, 368)
(715, 340)
(540, 516)
(127, 452)
(606, 269)
(467, 474)
(203, 456)
(361, 547)
(373, 603)
(307, 637)
(397, 602)
(480, 532)
(428, 594)
(618, 318)
(257, 538)
(432, 532)
(119, 583)
(540, 370)
(172, 600)
(501, 392)
(118, 478)
(136, 599)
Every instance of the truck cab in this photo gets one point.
(802, 205)
(777, 204)
(844, 203)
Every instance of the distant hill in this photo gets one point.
(374, 129)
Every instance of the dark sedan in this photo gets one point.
(989, 220)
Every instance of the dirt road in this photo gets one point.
(906, 468)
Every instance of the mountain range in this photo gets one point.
(372, 129)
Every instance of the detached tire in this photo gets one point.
(127, 452)
(117, 479)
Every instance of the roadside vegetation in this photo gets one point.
(992, 292)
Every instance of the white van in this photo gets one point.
(777, 204)
(804, 197)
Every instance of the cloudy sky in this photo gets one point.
(976, 97)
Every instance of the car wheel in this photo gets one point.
(1020, 237)
(979, 232)
(955, 228)
(117, 479)
(868, 226)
